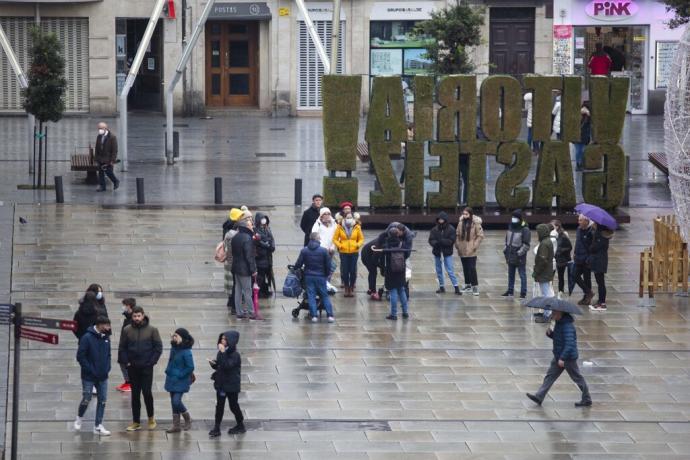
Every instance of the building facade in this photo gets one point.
(254, 55)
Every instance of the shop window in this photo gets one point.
(310, 69)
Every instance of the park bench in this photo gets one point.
(363, 151)
(659, 160)
(84, 162)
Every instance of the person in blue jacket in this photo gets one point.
(316, 262)
(565, 357)
(178, 377)
(94, 359)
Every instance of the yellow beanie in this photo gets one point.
(235, 214)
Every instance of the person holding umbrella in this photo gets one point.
(565, 353)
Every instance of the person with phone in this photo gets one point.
(226, 381)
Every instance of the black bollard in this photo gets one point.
(59, 195)
(298, 192)
(140, 190)
(218, 189)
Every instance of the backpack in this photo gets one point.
(292, 287)
(221, 255)
(397, 262)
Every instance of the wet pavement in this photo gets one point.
(448, 383)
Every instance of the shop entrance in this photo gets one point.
(232, 63)
(627, 48)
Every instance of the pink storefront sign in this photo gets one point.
(562, 32)
(611, 10)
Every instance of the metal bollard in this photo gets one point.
(59, 194)
(218, 189)
(140, 191)
(298, 192)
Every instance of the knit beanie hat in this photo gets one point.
(235, 214)
(323, 211)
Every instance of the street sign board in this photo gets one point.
(65, 325)
(38, 336)
(6, 310)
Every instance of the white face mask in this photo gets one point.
(349, 222)
(99, 296)
(515, 220)
(264, 221)
(101, 132)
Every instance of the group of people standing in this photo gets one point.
(139, 351)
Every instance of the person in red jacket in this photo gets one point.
(600, 63)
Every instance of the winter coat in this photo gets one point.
(243, 258)
(227, 226)
(227, 265)
(315, 259)
(583, 240)
(178, 373)
(517, 244)
(326, 233)
(563, 249)
(598, 259)
(127, 319)
(408, 236)
(265, 246)
(442, 237)
(393, 280)
(228, 366)
(348, 244)
(543, 261)
(469, 248)
(309, 218)
(93, 355)
(140, 345)
(85, 317)
(371, 259)
(564, 339)
(106, 152)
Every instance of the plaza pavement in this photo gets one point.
(447, 384)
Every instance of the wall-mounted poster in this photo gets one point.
(386, 62)
(562, 49)
(665, 51)
(415, 62)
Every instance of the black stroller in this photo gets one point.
(303, 299)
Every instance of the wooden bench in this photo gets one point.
(363, 151)
(84, 162)
(659, 160)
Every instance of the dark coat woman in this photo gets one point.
(226, 381)
(86, 313)
(598, 261)
(100, 299)
(178, 377)
(265, 246)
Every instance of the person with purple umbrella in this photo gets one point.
(598, 261)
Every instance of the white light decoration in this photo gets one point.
(677, 133)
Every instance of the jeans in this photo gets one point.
(448, 262)
(555, 371)
(232, 398)
(601, 287)
(106, 170)
(561, 278)
(348, 269)
(316, 285)
(243, 294)
(469, 270)
(141, 380)
(396, 293)
(102, 397)
(176, 403)
(583, 277)
(523, 278)
(579, 155)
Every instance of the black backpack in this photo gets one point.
(397, 262)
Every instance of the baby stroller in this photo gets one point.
(303, 299)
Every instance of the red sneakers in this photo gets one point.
(125, 387)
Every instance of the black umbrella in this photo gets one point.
(571, 277)
(553, 304)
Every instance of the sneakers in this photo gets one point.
(134, 427)
(467, 288)
(314, 319)
(375, 296)
(77, 423)
(152, 423)
(331, 319)
(507, 294)
(100, 189)
(101, 431)
(237, 429)
(116, 185)
(584, 403)
(457, 290)
(392, 317)
(405, 316)
(475, 290)
(440, 290)
(214, 433)
(523, 296)
(125, 387)
(536, 400)
(598, 307)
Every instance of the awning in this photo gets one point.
(402, 11)
(254, 11)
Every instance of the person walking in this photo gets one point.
(105, 156)
(543, 270)
(310, 216)
(226, 382)
(94, 359)
(317, 267)
(441, 240)
(583, 274)
(470, 235)
(600, 63)
(244, 265)
(563, 254)
(348, 239)
(515, 251)
(265, 246)
(565, 357)
(140, 349)
(127, 305)
(86, 314)
(178, 377)
(585, 136)
(394, 257)
(229, 231)
(598, 262)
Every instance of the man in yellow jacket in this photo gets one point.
(348, 239)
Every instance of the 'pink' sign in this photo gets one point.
(611, 10)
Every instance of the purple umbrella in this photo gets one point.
(597, 214)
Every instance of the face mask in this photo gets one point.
(349, 222)
(264, 221)
(99, 296)
(515, 220)
(101, 132)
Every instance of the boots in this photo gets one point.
(175, 428)
(187, 425)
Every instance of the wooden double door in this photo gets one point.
(511, 41)
(232, 63)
